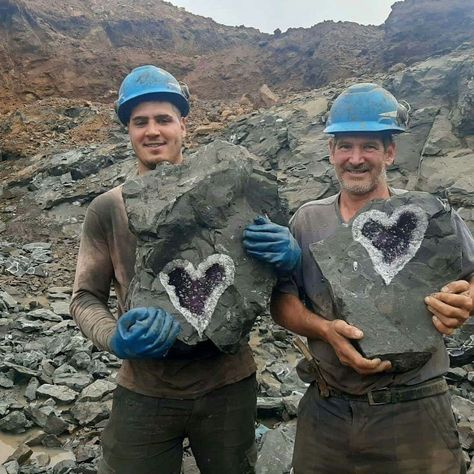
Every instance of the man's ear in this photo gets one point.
(390, 154)
(183, 124)
(331, 145)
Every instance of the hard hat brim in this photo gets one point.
(362, 127)
(125, 110)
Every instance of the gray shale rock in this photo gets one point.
(380, 267)
(189, 221)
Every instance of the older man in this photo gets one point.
(167, 391)
(346, 432)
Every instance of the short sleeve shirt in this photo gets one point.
(316, 221)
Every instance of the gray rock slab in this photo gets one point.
(61, 307)
(7, 300)
(189, 221)
(378, 282)
(96, 391)
(44, 314)
(57, 392)
(277, 450)
(15, 422)
(90, 413)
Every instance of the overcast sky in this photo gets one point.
(267, 15)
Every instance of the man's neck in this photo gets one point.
(350, 204)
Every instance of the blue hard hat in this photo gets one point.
(366, 107)
(146, 83)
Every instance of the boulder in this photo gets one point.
(189, 221)
(380, 267)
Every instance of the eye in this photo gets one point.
(140, 123)
(163, 120)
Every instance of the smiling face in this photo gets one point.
(156, 131)
(360, 161)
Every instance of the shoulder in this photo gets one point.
(108, 202)
(316, 208)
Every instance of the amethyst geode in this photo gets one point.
(189, 220)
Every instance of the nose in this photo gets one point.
(152, 129)
(357, 156)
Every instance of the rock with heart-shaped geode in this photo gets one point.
(189, 220)
(380, 267)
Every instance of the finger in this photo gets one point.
(259, 220)
(172, 335)
(352, 358)
(456, 287)
(165, 330)
(442, 328)
(457, 300)
(455, 306)
(446, 320)
(257, 228)
(268, 246)
(155, 326)
(347, 330)
(268, 257)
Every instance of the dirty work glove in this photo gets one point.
(272, 243)
(144, 333)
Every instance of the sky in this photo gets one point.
(267, 15)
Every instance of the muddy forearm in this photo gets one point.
(94, 319)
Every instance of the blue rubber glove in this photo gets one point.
(272, 243)
(144, 333)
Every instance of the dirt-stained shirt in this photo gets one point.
(106, 256)
(316, 221)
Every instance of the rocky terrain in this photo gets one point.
(60, 146)
(83, 49)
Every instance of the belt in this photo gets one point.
(396, 394)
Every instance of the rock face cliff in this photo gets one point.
(418, 29)
(82, 49)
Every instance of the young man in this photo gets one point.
(166, 390)
(346, 432)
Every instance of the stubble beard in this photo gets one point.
(359, 189)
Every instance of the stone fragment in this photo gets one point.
(190, 243)
(380, 269)
(15, 422)
(30, 391)
(7, 300)
(5, 382)
(268, 407)
(267, 96)
(277, 450)
(96, 391)
(21, 454)
(44, 314)
(90, 413)
(57, 392)
(61, 308)
(77, 381)
(456, 374)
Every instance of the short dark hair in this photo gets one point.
(386, 137)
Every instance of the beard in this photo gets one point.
(376, 176)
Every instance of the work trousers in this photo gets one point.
(145, 434)
(346, 436)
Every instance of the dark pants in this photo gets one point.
(342, 436)
(145, 434)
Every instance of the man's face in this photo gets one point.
(360, 161)
(156, 131)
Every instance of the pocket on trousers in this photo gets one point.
(439, 411)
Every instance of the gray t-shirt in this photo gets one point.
(316, 221)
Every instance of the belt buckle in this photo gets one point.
(382, 396)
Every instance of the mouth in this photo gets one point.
(154, 146)
(355, 171)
